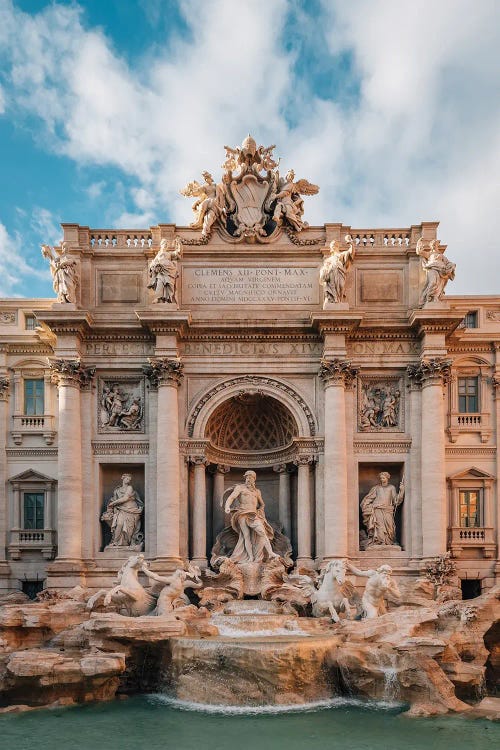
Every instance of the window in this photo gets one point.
(468, 395)
(33, 397)
(470, 320)
(32, 588)
(33, 510)
(30, 322)
(470, 502)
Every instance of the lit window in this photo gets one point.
(470, 508)
(468, 395)
(33, 397)
(33, 510)
(470, 320)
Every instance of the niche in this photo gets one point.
(110, 479)
(368, 474)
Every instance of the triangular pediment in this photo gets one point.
(30, 475)
(472, 473)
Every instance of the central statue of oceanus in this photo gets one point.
(253, 201)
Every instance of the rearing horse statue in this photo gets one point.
(331, 595)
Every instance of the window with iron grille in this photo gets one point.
(33, 510)
(470, 320)
(33, 397)
(470, 508)
(468, 395)
(30, 322)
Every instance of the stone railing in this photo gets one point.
(460, 538)
(381, 237)
(470, 422)
(23, 424)
(123, 238)
(24, 540)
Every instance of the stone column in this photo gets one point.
(166, 375)
(4, 530)
(284, 510)
(199, 534)
(495, 520)
(433, 374)
(70, 376)
(218, 492)
(304, 526)
(337, 374)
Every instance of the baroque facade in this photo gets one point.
(327, 359)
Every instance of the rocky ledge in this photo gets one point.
(437, 656)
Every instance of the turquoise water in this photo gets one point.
(149, 723)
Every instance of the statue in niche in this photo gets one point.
(115, 410)
(380, 406)
(208, 204)
(438, 269)
(334, 270)
(163, 271)
(123, 516)
(64, 272)
(379, 586)
(378, 508)
(248, 520)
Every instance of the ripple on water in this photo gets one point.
(337, 702)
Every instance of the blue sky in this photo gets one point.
(108, 107)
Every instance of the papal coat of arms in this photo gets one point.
(253, 202)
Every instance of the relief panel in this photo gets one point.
(120, 405)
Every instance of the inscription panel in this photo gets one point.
(381, 286)
(120, 287)
(250, 285)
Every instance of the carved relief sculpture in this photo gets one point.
(438, 269)
(163, 271)
(379, 407)
(334, 270)
(121, 406)
(379, 586)
(252, 201)
(123, 516)
(378, 508)
(64, 272)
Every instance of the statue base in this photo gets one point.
(122, 553)
(381, 550)
(327, 305)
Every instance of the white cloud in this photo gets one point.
(418, 143)
(14, 269)
(2, 101)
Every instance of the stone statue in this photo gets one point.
(163, 271)
(248, 520)
(378, 586)
(334, 270)
(123, 515)
(129, 595)
(64, 272)
(439, 270)
(289, 204)
(378, 508)
(252, 201)
(171, 591)
(208, 204)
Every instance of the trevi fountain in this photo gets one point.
(268, 552)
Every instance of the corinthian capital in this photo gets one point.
(436, 370)
(70, 372)
(337, 371)
(164, 371)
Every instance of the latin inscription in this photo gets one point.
(272, 285)
(252, 348)
(117, 348)
(383, 347)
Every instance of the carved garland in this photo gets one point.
(255, 381)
